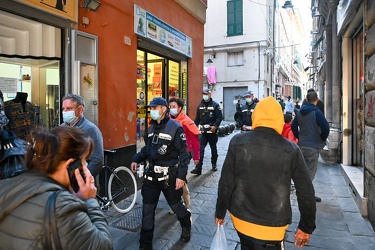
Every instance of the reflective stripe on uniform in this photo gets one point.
(165, 136)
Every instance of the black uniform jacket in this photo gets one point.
(165, 146)
(246, 113)
(209, 113)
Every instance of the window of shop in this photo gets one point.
(157, 76)
(31, 94)
(30, 60)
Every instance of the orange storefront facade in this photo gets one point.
(121, 56)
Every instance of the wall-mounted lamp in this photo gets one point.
(288, 5)
(92, 4)
(209, 61)
(213, 55)
(309, 67)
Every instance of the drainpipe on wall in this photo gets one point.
(258, 45)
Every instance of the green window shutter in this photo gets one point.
(234, 18)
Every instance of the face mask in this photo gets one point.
(69, 116)
(173, 112)
(155, 115)
(249, 99)
(205, 97)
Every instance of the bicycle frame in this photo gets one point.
(105, 200)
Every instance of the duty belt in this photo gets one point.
(206, 128)
(166, 177)
(159, 170)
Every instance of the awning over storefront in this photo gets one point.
(346, 11)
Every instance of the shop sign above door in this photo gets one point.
(62, 8)
(147, 25)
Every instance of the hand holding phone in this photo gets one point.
(77, 163)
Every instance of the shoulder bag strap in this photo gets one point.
(50, 226)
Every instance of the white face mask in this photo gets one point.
(69, 116)
(205, 97)
(155, 115)
(173, 112)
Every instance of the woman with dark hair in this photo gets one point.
(80, 222)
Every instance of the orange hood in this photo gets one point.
(185, 120)
(268, 114)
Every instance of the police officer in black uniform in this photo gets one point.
(247, 111)
(208, 119)
(168, 158)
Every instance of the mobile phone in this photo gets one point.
(77, 163)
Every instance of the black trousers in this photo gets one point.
(249, 243)
(150, 193)
(212, 139)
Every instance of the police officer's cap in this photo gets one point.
(206, 91)
(249, 93)
(158, 101)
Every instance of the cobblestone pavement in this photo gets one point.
(339, 223)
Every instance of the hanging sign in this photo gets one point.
(148, 25)
(66, 9)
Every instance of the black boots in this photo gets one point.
(185, 235)
(196, 171)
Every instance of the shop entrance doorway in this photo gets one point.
(157, 76)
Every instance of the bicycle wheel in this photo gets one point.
(122, 189)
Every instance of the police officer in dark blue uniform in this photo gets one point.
(168, 158)
(208, 119)
(247, 111)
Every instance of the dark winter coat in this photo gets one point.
(81, 224)
(256, 177)
(310, 127)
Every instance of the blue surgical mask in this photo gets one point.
(249, 99)
(69, 116)
(205, 97)
(155, 115)
(173, 112)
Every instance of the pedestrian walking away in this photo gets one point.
(255, 186)
(287, 130)
(40, 209)
(192, 132)
(319, 104)
(311, 129)
(208, 119)
(289, 106)
(166, 152)
(73, 107)
(281, 102)
(247, 111)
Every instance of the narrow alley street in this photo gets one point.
(339, 223)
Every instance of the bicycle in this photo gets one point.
(121, 187)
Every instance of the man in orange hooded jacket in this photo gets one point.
(255, 183)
